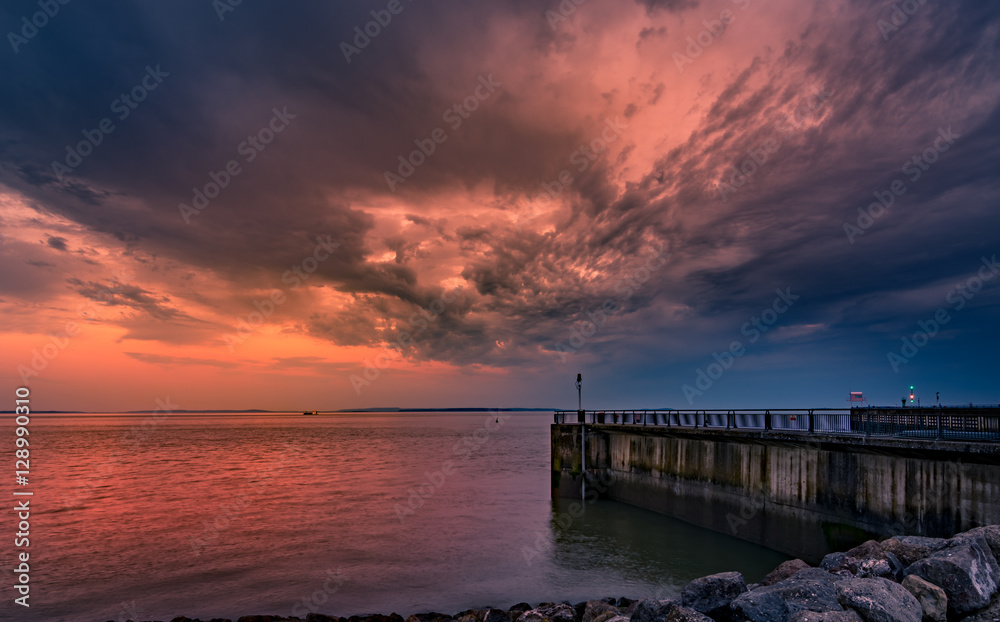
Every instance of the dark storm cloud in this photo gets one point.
(57, 243)
(352, 120)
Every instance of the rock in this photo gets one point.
(319, 617)
(911, 549)
(595, 608)
(496, 615)
(394, 617)
(826, 616)
(783, 571)
(626, 605)
(420, 617)
(879, 600)
(650, 610)
(264, 619)
(992, 536)
(977, 538)
(990, 614)
(866, 560)
(711, 595)
(932, 598)
(519, 608)
(812, 589)
(548, 611)
(678, 613)
(964, 571)
(833, 560)
(760, 605)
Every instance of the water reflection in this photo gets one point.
(645, 548)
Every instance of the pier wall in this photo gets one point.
(804, 496)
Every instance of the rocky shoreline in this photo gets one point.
(901, 579)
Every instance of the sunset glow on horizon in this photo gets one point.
(695, 203)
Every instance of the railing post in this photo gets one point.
(727, 418)
(940, 428)
(812, 424)
(767, 419)
(868, 421)
(696, 420)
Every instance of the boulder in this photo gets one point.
(992, 536)
(833, 560)
(932, 598)
(879, 600)
(911, 549)
(990, 614)
(762, 605)
(596, 608)
(433, 616)
(626, 605)
(812, 589)
(711, 595)
(264, 619)
(867, 560)
(679, 613)
(783, 571)
(554, 612)
(965, 572)
(319, 617)
(826, 616)
(518, 609)
(650, 610)
(496, 615)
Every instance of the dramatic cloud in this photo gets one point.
(502, 195)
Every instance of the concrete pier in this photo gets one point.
(802, 494)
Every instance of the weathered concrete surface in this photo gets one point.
(801, 495)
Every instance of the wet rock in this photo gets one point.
(879, 600)
(711, 595)
(319, 617)
(393, 617)
(496, 615)
(783, 571)
(595, 608)
(518, 609)
(932, 598)
(812, 589)
(679, 613)
(267, 619)
(650, 610)
(911, 549)
(964, 570)
(626, 605)
(433, 616)
(826, 616)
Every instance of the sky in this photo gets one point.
(420, 203)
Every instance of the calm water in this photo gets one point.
(228, 515)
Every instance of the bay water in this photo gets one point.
(149, 517)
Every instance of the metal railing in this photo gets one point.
(980, 423)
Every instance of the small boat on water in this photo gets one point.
(310, 412)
